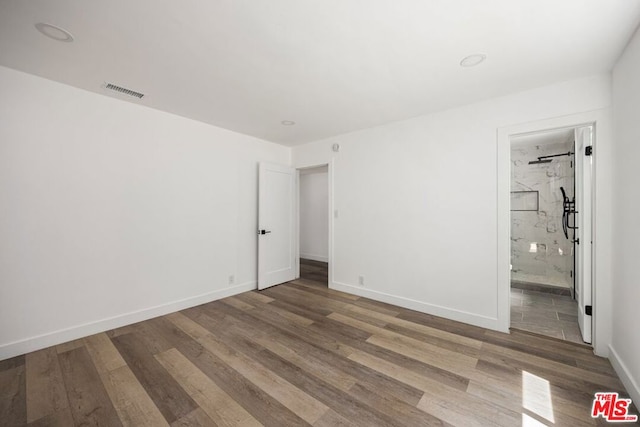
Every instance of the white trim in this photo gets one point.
(630, 384)
(296, 218)
(423, 307)
(331, 207)
(601, 229)
(27, 345)
(313, 257)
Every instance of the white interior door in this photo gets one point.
(277, 238)
(584, 232)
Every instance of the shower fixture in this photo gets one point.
(568, 211)
(540, 160)
(547, 159)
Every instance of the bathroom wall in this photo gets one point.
(540, 252)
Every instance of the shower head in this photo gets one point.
(547, 159)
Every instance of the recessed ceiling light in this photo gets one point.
(53, 32)
(473, 60)
(288, 123)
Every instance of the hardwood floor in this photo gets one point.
(302, 354)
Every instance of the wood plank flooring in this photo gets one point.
(302, 354)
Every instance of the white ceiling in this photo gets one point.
(332, 66)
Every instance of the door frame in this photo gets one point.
(330, 215)
(601, 228)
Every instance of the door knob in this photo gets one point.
(264, 231)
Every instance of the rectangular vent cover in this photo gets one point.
(124, 90)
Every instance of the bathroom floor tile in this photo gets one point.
(546, 314)
(568, 317)
(550, 331)
(544, 318)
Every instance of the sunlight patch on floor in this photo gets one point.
(536, 397)
(528, 421)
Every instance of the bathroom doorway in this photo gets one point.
(547, 262)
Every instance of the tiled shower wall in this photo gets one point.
(540, 253)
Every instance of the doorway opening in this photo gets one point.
(550, 233)
(314, 225)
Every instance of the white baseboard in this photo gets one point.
(436, 310)
(630, 384)
(27, 345)
(313, 257)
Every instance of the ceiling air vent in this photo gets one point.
(124, 90)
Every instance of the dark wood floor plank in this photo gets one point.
(399, 412)
(561, 351)
(154, 340)
(312, 287)
(196, 418)
(216, 406)
(301, 319)
(449, 350)
(70, 345)
(306, 263)
(447, 325)
(46, 394)
(61, 418)
(88, 400)
(237, 352)
(259, 404)
(578, 390)
(341, 402)
(333, 419)
(550, 367)
(11, 363)
(296, 296)
(295, 307)
(13, 405)
(328, 344)
(277, 325)
(318, 355)
(419, 367)
(378, 306)
(171, 399)
(564, 412)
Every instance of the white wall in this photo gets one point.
(314, 218)
(111, 212)
(626, 288)
(417, 201)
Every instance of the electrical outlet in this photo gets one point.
(361, 280)
(232, 279)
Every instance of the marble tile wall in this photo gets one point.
(540, 253)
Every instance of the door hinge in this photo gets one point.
(587, 310)
(588, 150)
